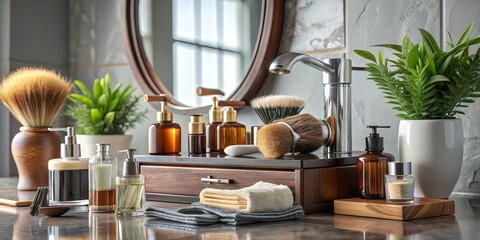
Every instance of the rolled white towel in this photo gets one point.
(260, 197)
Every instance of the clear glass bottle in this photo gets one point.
(399, 183)
(230, 132)
(102, 170)
(196, 135)
(214, 120)
(130, 188)
(372, 166)
(164, 137)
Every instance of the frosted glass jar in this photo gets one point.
(399, 183)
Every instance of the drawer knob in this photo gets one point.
(211, 180)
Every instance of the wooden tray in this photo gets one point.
(421, 208)
(13, 197)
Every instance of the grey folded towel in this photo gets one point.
(183, 215)
(200, 214)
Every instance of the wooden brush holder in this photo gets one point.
(31, 150)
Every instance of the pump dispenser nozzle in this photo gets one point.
(130, 166)
(214, 114)
(70, 149)
(163, 115)
(374, 142)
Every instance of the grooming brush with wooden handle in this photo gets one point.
(278, 138)
(268, 108)
(303, 132)
(34, 96)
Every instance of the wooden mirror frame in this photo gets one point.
(265, 51)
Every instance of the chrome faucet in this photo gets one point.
(337, 98)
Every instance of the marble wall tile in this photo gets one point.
(86, 74)
(458, 14)
(109, 45)
(372, 22)
(82, 32)
(311, 25)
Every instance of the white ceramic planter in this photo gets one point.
(118, 142)
(435, 148)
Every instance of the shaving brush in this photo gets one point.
(274, 140)
(34, 96)
(272, 107)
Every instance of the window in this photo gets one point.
(207, 37)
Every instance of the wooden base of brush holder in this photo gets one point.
(316, 179)
(31, 150)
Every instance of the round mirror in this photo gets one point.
(177, 46)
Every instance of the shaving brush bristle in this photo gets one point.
(273, 107)
(274, 140)
(34, 96)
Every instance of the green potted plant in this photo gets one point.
(429, 87)
(103, 114)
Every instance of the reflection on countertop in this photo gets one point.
(79, 224)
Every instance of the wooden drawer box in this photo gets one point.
(189, 181)
(314, 181)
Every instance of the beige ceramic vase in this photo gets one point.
(32, 148)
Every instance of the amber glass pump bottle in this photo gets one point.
(230, 132)
(372, 166)
(214, 120)
(164, 137)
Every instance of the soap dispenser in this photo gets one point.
(102, 171)
(164, 137)
(372, 166)
(214, 120)
(130, 188)
(230, 132)
(68, 175)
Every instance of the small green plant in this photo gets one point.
(103, 110)
(424, 82)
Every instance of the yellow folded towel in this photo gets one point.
(260, 197)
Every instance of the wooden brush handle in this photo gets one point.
(202, 91)
(223, 103)
(154, 98)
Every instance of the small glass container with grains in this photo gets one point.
(399, 183)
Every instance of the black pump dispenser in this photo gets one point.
(374, 143)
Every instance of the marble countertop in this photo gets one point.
(78, 223)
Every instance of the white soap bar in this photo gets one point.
(238, 150)
(102, 177)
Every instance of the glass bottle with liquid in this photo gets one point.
(196, 135)
(130, 188)
(102, 171)
(372, 166)
(164, 137)
(214, 120)
(230, 132)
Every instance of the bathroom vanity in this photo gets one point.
(315, 179)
